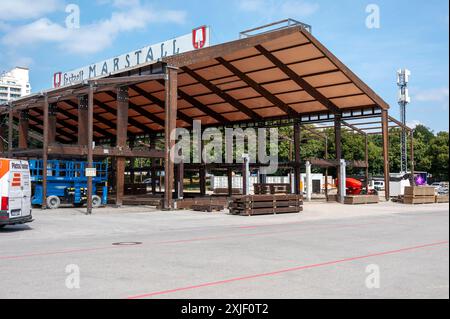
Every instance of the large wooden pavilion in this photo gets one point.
(283, 77)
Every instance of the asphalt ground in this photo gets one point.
(330, 251)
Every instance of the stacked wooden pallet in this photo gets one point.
(135, 189)
(273, 189)
(190, 203)
(266, 204)
(419, 195)
(361, 199)
(442, 199)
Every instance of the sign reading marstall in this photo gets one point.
(198, 39)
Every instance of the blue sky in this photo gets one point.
(412, 34)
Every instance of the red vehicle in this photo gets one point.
(355, 186)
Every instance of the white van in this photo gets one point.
(15, 192)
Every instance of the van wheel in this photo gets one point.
(53, 202)
(1, 226)
(96, 201)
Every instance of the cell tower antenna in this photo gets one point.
(403, 100)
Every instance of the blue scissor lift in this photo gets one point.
(67, 183)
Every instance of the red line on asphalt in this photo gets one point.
(179, 241)
(278, 272)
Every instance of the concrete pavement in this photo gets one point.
(329, 251)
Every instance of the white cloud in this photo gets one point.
(432, 95)
(94, 37)
(42, 30)
(289, 8)
(26, 9)
(414, 123)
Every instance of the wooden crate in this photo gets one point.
(419, 191)
(224, 191)
(265, 189)
(361, 199)
(207, 207)
(188, 203)
(266, 204)
(135, 189)
(415, 200)
(442, 199)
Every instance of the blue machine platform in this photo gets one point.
(67, 180)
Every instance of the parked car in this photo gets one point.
(148, 181)
(377, 185)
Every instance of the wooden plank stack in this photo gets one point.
(189, 203)
(272, 189)
(419, 195)
(361, 199)
(266, 204)
(135, 189)
(207, 208)
(442, 199)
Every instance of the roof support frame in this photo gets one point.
(225, 96)
(299, 80)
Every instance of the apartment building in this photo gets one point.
(14, 84)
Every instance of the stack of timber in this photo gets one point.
(135, 189)
(332, 198)
(266, 204)
(272, 189)
(442, 199)
(419, 195)
(211, 201)
(208, 207)
(224, 191)
(361, 199)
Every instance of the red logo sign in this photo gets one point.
(199, 37)
(57, 77)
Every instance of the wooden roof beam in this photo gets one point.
(225, 96)
(299, 80)
(131, 121)
(199, 105)
(67, 136)
(162, 105)
(73, 117)
(139, 109)
(258, 88)
(98, 117)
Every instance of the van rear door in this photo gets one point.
(19, 190)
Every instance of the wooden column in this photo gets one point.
(338, 145)
(23, 129)
(154, 164)
(179, 181)
(297, 171)
(230, 181)
(326, 169)
(52, 111)
(10, 130)
(366, 154)
(244, 178)
(171, 99)
(122, 128)
(132, 161)
(83, 120)
(413, 161)
(90, 150)
(45, 154)
(385, 132)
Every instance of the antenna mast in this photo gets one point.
(403, 100)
